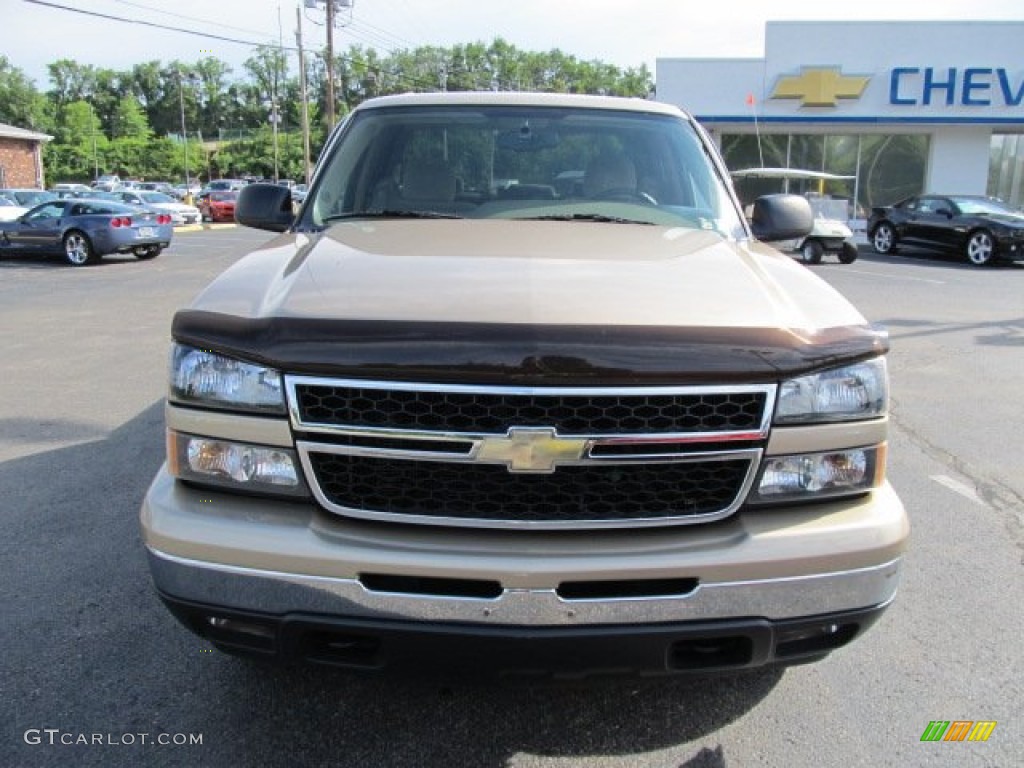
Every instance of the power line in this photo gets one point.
(357, 28)
(356, 31)
(155, 25)
(383, 33)
(409, 79)
(186, 18)
(366, 33)
(408, 16)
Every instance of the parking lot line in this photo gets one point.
(890, 276)
(961, 488)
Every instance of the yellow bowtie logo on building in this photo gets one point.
(820, 86)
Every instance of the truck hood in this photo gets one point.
(458, 299)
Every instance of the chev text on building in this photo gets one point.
(969, 87)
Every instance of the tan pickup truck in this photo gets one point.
(519, 387)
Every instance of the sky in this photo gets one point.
(626, 33)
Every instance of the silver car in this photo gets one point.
(10, 210)
(180, 213)
(27, 197)
(84, 230)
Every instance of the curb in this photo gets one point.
(202, 227)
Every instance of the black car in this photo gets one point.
(982, 229)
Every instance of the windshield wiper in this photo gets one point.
(388, 213)
(599, 217)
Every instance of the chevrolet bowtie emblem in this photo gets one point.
(820, 87)
(531, 449)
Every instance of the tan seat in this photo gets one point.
(432, 181)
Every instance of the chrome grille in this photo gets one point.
(574, 495)
(519, 457)
(495, 412)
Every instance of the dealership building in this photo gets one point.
(898, 108)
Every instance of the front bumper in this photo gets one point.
(648, 649)
(267, 576)
(1011, 249)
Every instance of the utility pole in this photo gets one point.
(95, 157)
(184, 133)
(275, 118)
(305, 96)
(275, 114)
(330, 65)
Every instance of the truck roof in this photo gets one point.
(509, 98)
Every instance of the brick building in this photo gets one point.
(21, 157)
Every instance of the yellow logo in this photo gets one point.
(526, 449)
(820, 87)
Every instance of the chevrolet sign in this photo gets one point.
(531, 449)
(820, 87)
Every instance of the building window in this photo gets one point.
(885, 168)
(891, 167)
(1006, 168)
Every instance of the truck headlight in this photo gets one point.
(812, 476)
(202, 377)
(858, 391)
(228, 464)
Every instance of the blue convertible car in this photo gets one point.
(83, 230)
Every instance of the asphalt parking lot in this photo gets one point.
(88, 650)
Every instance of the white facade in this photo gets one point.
(959, 83)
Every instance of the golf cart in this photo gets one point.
(830, 233)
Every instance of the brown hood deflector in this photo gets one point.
(562, 355)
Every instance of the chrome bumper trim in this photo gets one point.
(233, 587)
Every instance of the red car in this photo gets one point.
(218, 206)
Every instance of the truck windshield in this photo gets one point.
(551, 163)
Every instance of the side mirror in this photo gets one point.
(944, 212)
(265, 206)
(781, 217)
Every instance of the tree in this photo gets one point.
(268, 70)
(212, 95)
(146, 82)
(130, 114)
(79, 147)
(108, 87)
(130, 151)
(20, 103)
(71, 82)
(129, 121)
